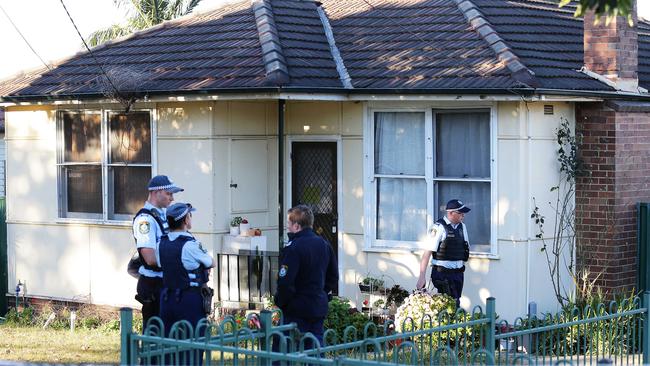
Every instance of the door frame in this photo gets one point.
(289, 140)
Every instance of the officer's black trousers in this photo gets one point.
(450, 283)
(149, 296)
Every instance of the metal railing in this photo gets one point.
(617, 333)
(245, 277)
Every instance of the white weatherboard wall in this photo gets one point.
(207, 146)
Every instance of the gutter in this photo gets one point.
(350, 94)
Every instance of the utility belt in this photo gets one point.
(204, 290)
(448, 270)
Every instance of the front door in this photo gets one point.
(313, 183)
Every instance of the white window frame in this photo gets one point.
(64, 215)
(371, 243)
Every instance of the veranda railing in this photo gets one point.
(617, 332)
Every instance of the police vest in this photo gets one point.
(454, 247)
(175, 276)
(162, 225)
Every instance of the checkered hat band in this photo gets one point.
(162, 187)
(176, 218)
(457, 209)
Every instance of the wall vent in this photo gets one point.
(548, 109)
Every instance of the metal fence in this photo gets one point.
(617, 333)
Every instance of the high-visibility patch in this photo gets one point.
(144, 227)
(283, 270)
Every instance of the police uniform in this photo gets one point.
(184, 264)
(450, 251)
(149, 225)
(308, 272)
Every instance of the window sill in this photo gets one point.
(63, 220)
(478, 255)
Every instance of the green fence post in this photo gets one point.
(643, 245)
(646, 328)
(126, 327)
(266, 322)
(491, 313)
(4, 271)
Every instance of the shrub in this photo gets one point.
(24, 317)
(340, 315)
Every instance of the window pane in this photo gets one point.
(399, 143)
(401, 209)
(463, 144)
(476, 195)
(82, 136)
(129, 187)
(130, 138)
(84, 188)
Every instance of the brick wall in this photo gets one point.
(611, 49)
(616, 151)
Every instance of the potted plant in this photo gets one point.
(234, 225)
(371, 284)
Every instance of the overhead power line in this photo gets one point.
(115, 89)
(25, 39)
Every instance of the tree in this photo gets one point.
(143, 14)
(609, 9)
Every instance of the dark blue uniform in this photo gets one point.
(180, 298)
(308, 272)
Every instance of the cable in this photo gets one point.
(117, 92)
(25, 39)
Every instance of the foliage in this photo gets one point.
(396, 295)
(340, 315)
(23, 317)
(421, 305)
(143, 14)
(604, 8)
(617, 335)
(236, 221)
(373, 283)
(560, 248)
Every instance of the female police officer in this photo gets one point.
(185, 269)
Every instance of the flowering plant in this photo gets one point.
(236, 221)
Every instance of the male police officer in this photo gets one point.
(308, 273)
(450, 249)
(149, 224)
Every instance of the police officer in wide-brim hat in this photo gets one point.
(448, 252)
(149, 225)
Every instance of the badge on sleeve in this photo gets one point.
(283, 270)
(434, 231)
(144, 227)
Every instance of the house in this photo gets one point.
(374, 112)
(2, 152)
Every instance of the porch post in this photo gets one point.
(281, 217)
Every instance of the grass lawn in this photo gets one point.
(58, 346)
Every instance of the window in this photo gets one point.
(419, 161)
(104, 163)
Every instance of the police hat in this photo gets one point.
(179, 210)
(162, 182)
(457, 205)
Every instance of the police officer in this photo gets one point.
(149, 225)
(307, 275)
(185, 267)
(450, 250)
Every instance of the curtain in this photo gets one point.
(399, 150)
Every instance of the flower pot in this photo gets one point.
(234, 230)
(364, 288)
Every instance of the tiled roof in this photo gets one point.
(423, 45)
(547, 39)
(413, 44)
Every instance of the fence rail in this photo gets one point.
(618, 333)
